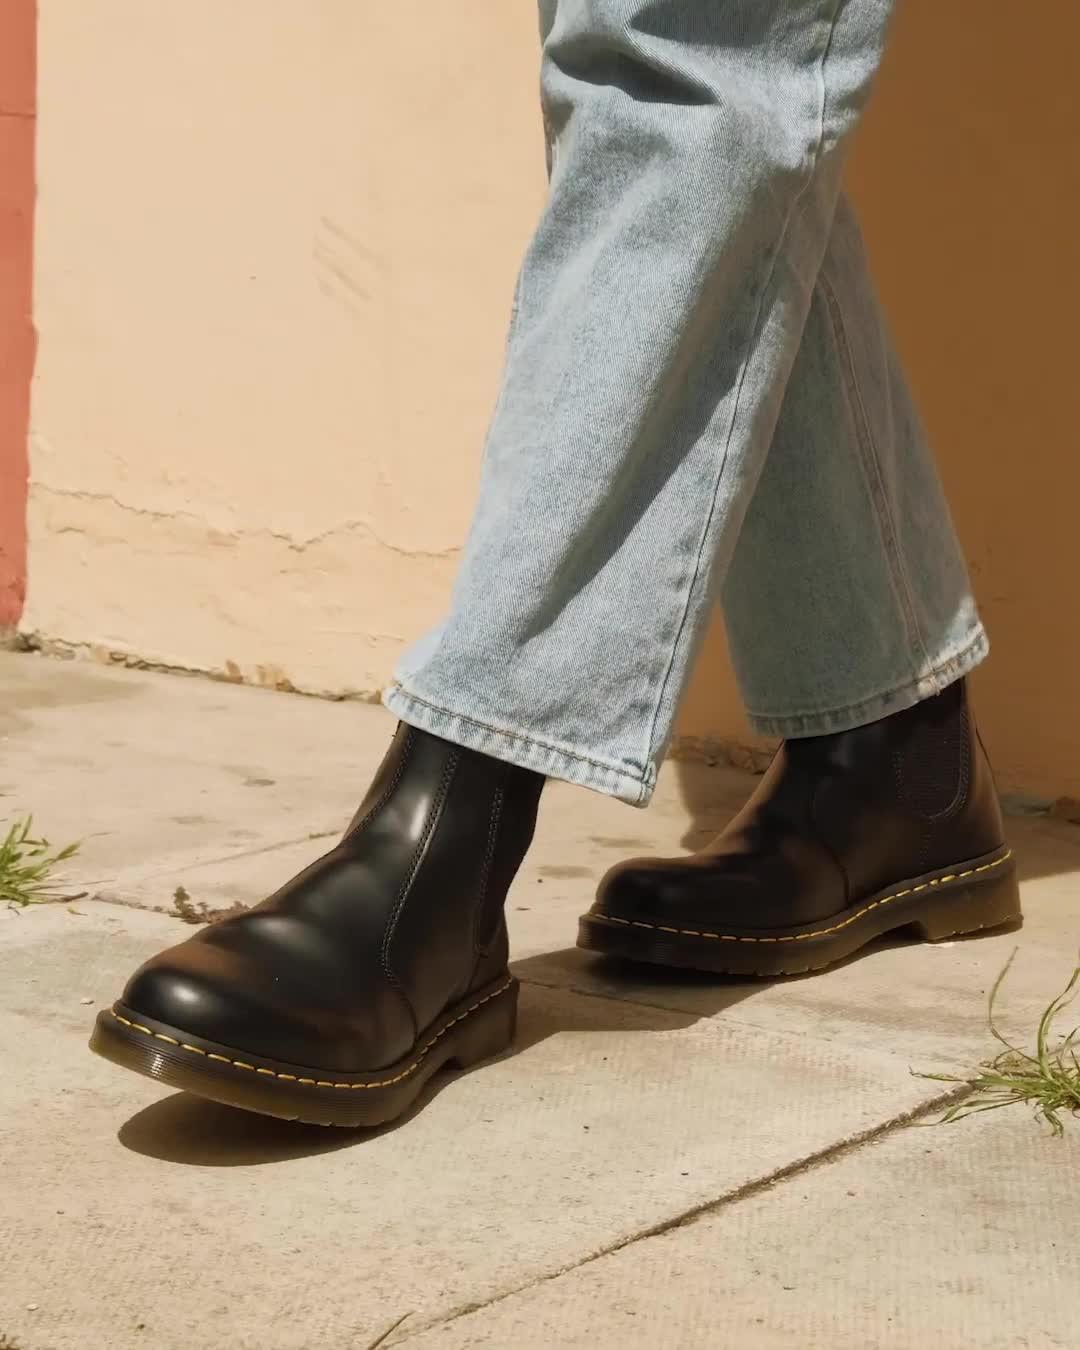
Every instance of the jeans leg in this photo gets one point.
(847, 597)
(696, 153)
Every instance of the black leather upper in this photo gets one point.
(346, 965)
(835, 819)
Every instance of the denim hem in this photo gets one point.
(518, 747)
(791, 726)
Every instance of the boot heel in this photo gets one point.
(487, 1030)
(966, 909)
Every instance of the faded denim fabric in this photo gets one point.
(700, 401)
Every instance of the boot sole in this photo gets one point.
(478, 1028)
(964, 898)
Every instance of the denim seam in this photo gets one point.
(621, 771)
(864, 437)
(960, 661)
(752, 346)
(942, 668)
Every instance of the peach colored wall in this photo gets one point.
(17, 50)
(967, 175)
(275, 253)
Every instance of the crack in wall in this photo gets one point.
(228, 533)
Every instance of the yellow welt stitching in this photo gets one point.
(820, 932)
(322, 1082)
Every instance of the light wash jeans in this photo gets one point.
(700, 400)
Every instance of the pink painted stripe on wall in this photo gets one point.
(18, 80)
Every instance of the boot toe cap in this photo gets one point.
(214, 996)
(641, 888)
(681, 892)
(180, 997)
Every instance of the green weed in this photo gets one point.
(27, 864)
(1048, 1079)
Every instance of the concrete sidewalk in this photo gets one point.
(663, 1161)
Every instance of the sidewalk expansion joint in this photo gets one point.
(800, 1167)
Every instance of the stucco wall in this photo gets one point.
(275, 251)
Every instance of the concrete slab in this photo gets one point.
(930, 1237)
(161, 774)
(133, 1218)
(635, 1097)
(150, 769)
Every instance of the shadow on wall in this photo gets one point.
(968, 184)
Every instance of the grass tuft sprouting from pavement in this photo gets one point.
(27, 867)
(1048, 1079)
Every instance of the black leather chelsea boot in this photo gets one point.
(892, 825)
(335, 1000)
